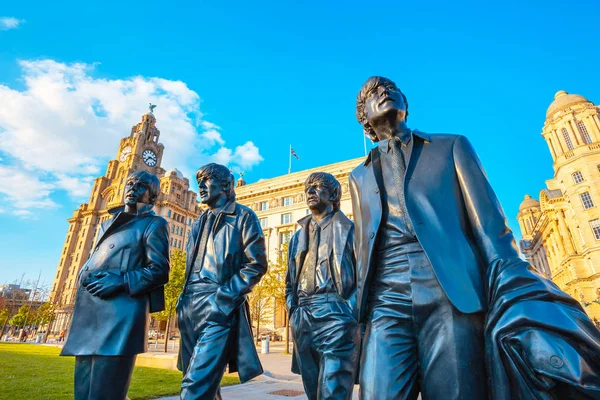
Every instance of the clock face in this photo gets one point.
(126, 151)
(149, 158)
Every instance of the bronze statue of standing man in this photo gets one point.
(451, 311)
(226, 257)
(321, 294)
(120, 284)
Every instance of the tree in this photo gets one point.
(43, 314)
(259, 301)
(172, 290)
(20, 317)
(275, 281)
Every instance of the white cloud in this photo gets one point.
(247, 155)
(7, 23)
(63, 127)
(23, 213)
(23, 189)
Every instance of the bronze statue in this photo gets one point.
(226, 257)
(450, 309)
(119, 285)
(321, 294)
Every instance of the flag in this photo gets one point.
(294, 153)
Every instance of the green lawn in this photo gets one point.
(36, 372)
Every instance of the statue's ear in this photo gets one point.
(334, 195)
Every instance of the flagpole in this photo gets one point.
(290, 165)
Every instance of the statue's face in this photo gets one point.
(136, 191)
(210, 191)
(318, 197)
(383, 103)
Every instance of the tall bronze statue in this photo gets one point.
(321, 294)
(441, 288)
(226, 257)
(120, 284)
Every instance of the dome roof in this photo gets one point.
(529, 202)
(562, 100)
(174, 173)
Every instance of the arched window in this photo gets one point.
(567, 138)
(585, 135)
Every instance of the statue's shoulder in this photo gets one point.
(443, 138)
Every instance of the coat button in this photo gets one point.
(376, 190)
(87, 268)
(111, 246)
(556, 361)
(372, 235)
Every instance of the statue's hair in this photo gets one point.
(326, 180)
(221, 174)
(150, 180)
(367, 88)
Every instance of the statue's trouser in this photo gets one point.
(204, 344)
(326, 340)
(103, 377)
(415, 340)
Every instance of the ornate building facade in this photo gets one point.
(561, 231)
(140, 150)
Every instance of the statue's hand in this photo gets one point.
(107, 284)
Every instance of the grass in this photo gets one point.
(36, 372)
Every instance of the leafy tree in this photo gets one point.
(4, 315)
(20, 317)
(43, 314)
(259, 301)
(275, 281)
(172, 290)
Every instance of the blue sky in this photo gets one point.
(239, 81)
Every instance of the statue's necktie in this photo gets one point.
(309, 268)
(206, 231)
(399, 168)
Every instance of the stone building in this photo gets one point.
(561, 231)
(140, 150)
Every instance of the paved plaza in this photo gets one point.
(277, 382)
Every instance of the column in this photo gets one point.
(565, 234)
(592, 124)
(574, 131)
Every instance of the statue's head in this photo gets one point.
(378, 100)
(322, 190)
(141, 187)
(215, 182)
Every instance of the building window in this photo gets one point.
(172, 228)
(585, 135)
(595, 224)
(586, 200)
(169, 213)
(307, 211)
(286, 218)
(264, 222)
(263, 206)
(288, 201)
(567, 138)
(577, 177)
(284, 237)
